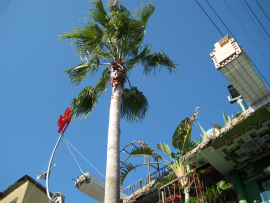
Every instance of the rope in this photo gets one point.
(73, 155)
(86, 159)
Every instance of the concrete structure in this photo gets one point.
(93, 187)
(20, 191)
(232, 61)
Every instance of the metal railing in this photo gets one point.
(143, 182)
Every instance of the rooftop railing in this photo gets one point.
(143, 182)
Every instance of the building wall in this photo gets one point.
(18, 192)
(250, 189)
(23, 191)
(37, 195)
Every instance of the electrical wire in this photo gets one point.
(248, 35)
(220, 19)
(232, 34)
(257, 18)
(254, 23)
(263, 10)
(209, 18)
(5, 6)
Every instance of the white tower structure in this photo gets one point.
(230, 58)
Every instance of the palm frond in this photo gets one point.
(85, 39)
(139, 57)
(101, 85)
(153, 63)
(78, 73)
(143, 150)
(124, 10)
(84, 103)
(98, 13)
(134, 105)
(124, 171)
(147, 10)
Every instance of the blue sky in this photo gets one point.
(35, 92)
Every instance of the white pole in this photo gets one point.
(48, 171)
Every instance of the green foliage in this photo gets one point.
(165, 149)
(215, 194)
(78, 73)
(143, 150)
(166, 179)
(134, 105)
(110, 36)
(181, 140)
(84, 103)
(205, 135)
(227, 118)
(126, 168)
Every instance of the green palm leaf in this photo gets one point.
(134, 105)
(84, 104)
(98, 13)
(86, 39)
(154, 62)
(101, 85)
(78, 73)
(124, 171)
(148, 10)
(143, 150)
(138, 58)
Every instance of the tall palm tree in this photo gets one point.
(114, 38)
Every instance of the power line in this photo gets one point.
(254, 23)
(220, 19)
(210, 18)
(262, 10)
(5, 6)
(253, 42)
(257, 18)
(232, 35)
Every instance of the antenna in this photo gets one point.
(44, 175)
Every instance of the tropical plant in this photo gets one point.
(215, 194)
(181, 140)
(113, 38)
(206, 135)
(227, 118)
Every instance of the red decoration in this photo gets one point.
(64, 120)
(174, 197)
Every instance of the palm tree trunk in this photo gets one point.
(112, 183)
